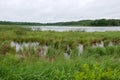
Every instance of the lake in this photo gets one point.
(75, 28)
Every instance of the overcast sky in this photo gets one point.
(58, 10)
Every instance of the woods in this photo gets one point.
(97, 22)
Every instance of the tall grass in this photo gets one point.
(94, 63)
(80, 68)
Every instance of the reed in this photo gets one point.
(28, 55)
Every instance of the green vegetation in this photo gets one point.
(97, 22)
(95, 63)
(20, 23)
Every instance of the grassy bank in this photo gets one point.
(94, 62)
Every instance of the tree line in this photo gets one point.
(97, 22)
(19, 23)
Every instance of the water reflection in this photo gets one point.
(74, 28)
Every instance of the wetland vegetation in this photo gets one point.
(50, 55)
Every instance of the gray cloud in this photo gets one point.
(58, 10)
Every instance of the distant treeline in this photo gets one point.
(19, 23)
(98, 22)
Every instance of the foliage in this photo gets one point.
(97, 22)
(95, 63)
(4, 47)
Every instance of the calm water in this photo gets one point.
(74, 28)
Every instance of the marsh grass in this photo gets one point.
(95, 63)
(103, 67)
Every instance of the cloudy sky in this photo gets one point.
(58, 10)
